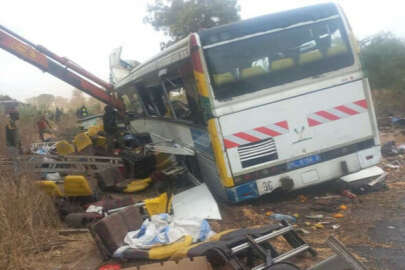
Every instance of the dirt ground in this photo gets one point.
(372, 226)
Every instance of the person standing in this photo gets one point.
(43, 127)
(12, 139)
(110, 126)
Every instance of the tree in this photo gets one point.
(61, 102)
(94, 106)
(43, 102)
(77, 99)
(178, 18)
(383, 58)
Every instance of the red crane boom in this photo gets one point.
(60, 67)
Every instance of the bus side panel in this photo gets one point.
(195, 138)
(296, 127)
(161, 131)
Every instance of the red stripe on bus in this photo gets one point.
(362, 103)
(268, 131)
(312, 122)
(327, 115)
(246, 137)
(346, 110)
(230, 144)
(195, 54)
(283, 124)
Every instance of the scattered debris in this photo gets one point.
(349, 194)
(302, 230)
(315, 216)
(338, 215)
(389, 149)
(281, 217)
(327, 197)
(319, 226)
(269, 213)
(72, 231)
(392, 166)
(397, 121)
(343, 207)
(302, 198)
(185, 204)
(336, 226)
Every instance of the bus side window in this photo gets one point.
(158, 100)
(148, 103)
(136, 104)
(180, 104)
(132, 101)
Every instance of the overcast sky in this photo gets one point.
(87, 31)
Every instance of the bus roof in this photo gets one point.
(174, 53)
(181, 50)
(267, 22)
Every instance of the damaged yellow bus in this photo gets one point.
(274, 102)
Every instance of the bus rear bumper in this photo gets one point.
(308, 176)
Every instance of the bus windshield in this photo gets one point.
(262, 61)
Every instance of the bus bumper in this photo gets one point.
(307, 176)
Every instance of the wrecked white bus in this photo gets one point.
(274, 102)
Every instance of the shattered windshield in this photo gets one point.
(256, 63)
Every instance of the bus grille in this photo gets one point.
(257, 152)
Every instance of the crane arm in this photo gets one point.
(59, 67)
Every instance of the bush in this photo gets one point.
(383, 58)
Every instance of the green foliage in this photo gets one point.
(383, 58)
(178, 18)
(28, 112)
(42, 102)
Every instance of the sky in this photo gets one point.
(87, 31)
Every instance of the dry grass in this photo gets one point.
(28, 218)
(28, 222)
(67, 128)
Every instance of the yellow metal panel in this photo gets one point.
(100, 141)
(50, 188)
(227, 180)
(138, 185)
(201, 83)
(157, 205)
(217, 236)
(164, 252)
(183, 252)
(64, 148)
(82, 140)
(76, 186)
(93, 130)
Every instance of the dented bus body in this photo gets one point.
(274, 102)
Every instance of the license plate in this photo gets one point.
(306, 161)
(266, 186)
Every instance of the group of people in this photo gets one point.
(44, 126)
(12, 136)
